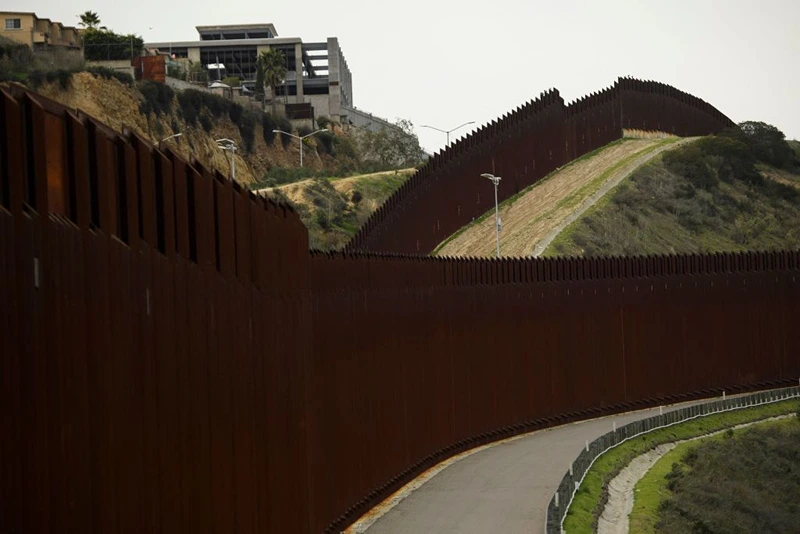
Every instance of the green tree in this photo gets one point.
(89, 20)
(104, 44)
(271, 70)
(767, 143)
(389, 147)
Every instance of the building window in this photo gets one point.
(13, 24)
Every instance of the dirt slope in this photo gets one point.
(117, 106)
(372, 186)
(539, 212)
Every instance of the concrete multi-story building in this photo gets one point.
(316, 73)
(28, 29)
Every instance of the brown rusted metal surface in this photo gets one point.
(173, 358)
(153, 68)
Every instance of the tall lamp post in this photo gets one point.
(229, 145)
(496, 181)
(448, 132)
(301, 139)
(173, 136)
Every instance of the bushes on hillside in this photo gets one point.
(201, 106)
(37, 78)
(285, 125)
(109, 74)
(157, 98)
(767, 143)
(746, 483)
(691, 163)
(268, 125)
(247, 129)
(325, 142)
(707, 161)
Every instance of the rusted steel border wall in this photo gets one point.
(523, 147)
(153, 320)
(172, 358)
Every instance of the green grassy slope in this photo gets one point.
(654, 487)
(746, 483)
(333, 209)
(706, 197)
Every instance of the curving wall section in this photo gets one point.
(523, 147)
(173, 359)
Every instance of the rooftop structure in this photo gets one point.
(316, 73)
(28, 29)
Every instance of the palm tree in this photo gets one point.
(89, 20)
(271, 67)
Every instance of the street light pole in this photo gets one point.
(447, 131)
(301, 140)
(173, 136)
(496, 181)
(229, 145)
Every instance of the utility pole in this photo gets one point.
(446, 131)
(496, 181)
(301, 140)
(229, 145)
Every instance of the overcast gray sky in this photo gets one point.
(446, 62)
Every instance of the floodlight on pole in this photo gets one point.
(229, 145)
(448, 132)
(301, 139)
(173, 136)
(496, 181)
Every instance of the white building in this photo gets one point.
(317, 73)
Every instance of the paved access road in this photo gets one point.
(505, 488)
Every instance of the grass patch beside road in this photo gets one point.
(653, 489)
(589, 500)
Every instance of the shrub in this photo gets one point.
(323, 121)
(356, 197)
(193, 101)
(322, 220)
(104, 44)
(303, 131)
(767, 143)
(19, 54)
(268, 124)
(281, 175)
(325, 142)
(37, 78)
(285, 125)
(235, 112)
(157, 98)
(206, 122)
(247, 129)
(233, 81)
(690, 162)
(344, 147)
(109, 74)
(173, 71)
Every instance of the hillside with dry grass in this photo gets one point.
(529, 217)
(156, 112)
(333, 209)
